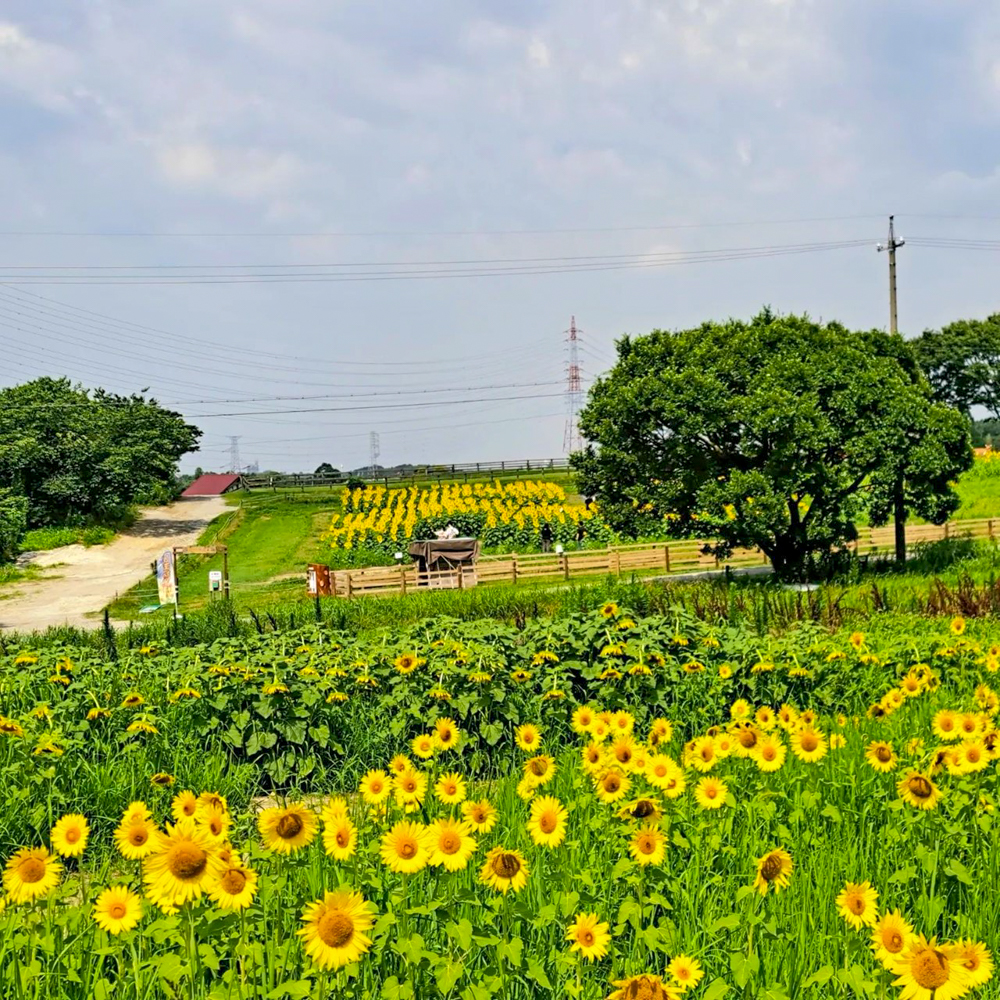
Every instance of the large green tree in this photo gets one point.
(77, 455)
(767, 433)
(962, 363)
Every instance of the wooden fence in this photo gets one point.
(662, 558)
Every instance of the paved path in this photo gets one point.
(84, 580)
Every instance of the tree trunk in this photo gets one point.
(899, 511)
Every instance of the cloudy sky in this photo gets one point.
(168, 168)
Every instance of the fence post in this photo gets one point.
(946, 530)
(666, 558)
(618, 563)
(350, 584)
(989, 528)
(565, 561)
(513, 568)
(402, 578)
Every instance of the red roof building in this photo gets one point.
(212, 485)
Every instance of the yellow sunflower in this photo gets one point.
(117, 910)
(215, 820)
(612, 786)
(375, 787)
(686, 971)
(583, 719)
(644, 987)
(929, 971)
(648, 846)
(593, 758)
(945, 725)
(233, 887)
(69, 835)
(976, 960)
(529, 737)
(858, 904)
(589, 936)
(808, 745)
(400, 763)
(890, 937)
(481, 815)
(137, 839)
(447, 734)
(335, 929)
(774, 871)
(917, 790)
(450, 789)
(710, 793)
(31, 873)
(642, 808)
(451, 843)
(880, 756)
(405, 848)
(184, 862)
(547, 822)
(505, 870)
(340, 837)
(184, 805)
(411, 789)
(769, 753)
(286, 829)
(424, 745)
(540, 769)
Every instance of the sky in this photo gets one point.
(299, 222)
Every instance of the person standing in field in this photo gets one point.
(546, 537)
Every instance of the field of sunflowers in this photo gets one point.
(596, 806)
(504, 516)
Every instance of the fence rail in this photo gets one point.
(459, 470)
(686, 556)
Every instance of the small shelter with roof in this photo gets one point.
(213, 485)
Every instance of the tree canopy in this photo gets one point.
(776, 433)
(76, 455)
(962, 363)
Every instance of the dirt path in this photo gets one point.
(84, 580)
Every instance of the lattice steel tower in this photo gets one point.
(572, 441)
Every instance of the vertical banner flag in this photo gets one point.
(165, 580)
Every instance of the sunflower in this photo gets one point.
(540, 769)
(837, 741)
(233, 887)
(773, 870)
(740, 710)
(644, 987)
(340, 837)
(687, 972)
(31, 873)
(858, 904)
(788, 717)
(450, 789)
(447, 734)
(117, 909)
(162, 779)
(411, 789)
(334, 810)
(481, 815)
(659, 769)
(136, 839)
(880, 756)
(520, 676)
(857, 640)
(287, 829)
(609, 610)
(583, 719)
(526, 788)
(424, 746)
(976, 960)
(375, 787)
(808, 745)
(710, 793)
(133, 700)
(185, 860)
(69, 835)
(973, 756)
(215, 820)
(945, 725)
(643, 808)
(661, 731)
(702, 754)
(451, 844)
(747, 738)
(929, 971)
(335, 927)
(589, 936)
(969, 724)
(594, 758)
(917, 790)
(890, 936)
(623, 749)
(184, 805)
(405, 848)
(770, 753)
(213, 799)
(648, 846)
(612, 786)
(547, 822)
(957, 626)
(529, 737)
(504, 870)
(400, 763)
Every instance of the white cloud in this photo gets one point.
(538, 54)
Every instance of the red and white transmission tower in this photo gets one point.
(572, 441)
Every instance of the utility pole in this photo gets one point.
(234, 453)
(899, 493)
(374, 451)
(572, 441)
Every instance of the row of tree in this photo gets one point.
(73, 457)
(782, 433)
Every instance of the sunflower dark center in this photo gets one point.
(771, 868)
(856, 905)
(930, 969)
(72, 835)
(407, 849)
(233, 882)
(289, 826)
(921, 787)
(31, 870)
(894, 942)
(449, 843)
(643, 808)
(547, 822)
(884, 754)
(138, 836)
(586, 938)
(809, 742)
(506, 865)
(612, 783)
(335, 929)
(188, 862)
